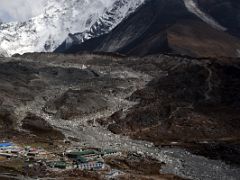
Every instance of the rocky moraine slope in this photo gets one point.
(88, 99)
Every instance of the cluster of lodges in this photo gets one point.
(10, 150)
(84, 159)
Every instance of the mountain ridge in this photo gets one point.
(179, 32)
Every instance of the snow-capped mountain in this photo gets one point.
(109, 20)
(119, 11)
(60, 18)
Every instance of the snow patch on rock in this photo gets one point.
(192, 6)
(3, 53)
(238, 52)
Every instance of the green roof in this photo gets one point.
(60, 164)
(81, 159)
(84, 153)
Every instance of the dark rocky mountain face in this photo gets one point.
(169, 27)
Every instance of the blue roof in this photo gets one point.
(7, 144)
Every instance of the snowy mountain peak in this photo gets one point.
(60, 18)
(119, 10)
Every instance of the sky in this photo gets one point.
(19, 10)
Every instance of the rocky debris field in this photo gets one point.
(129, 104)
